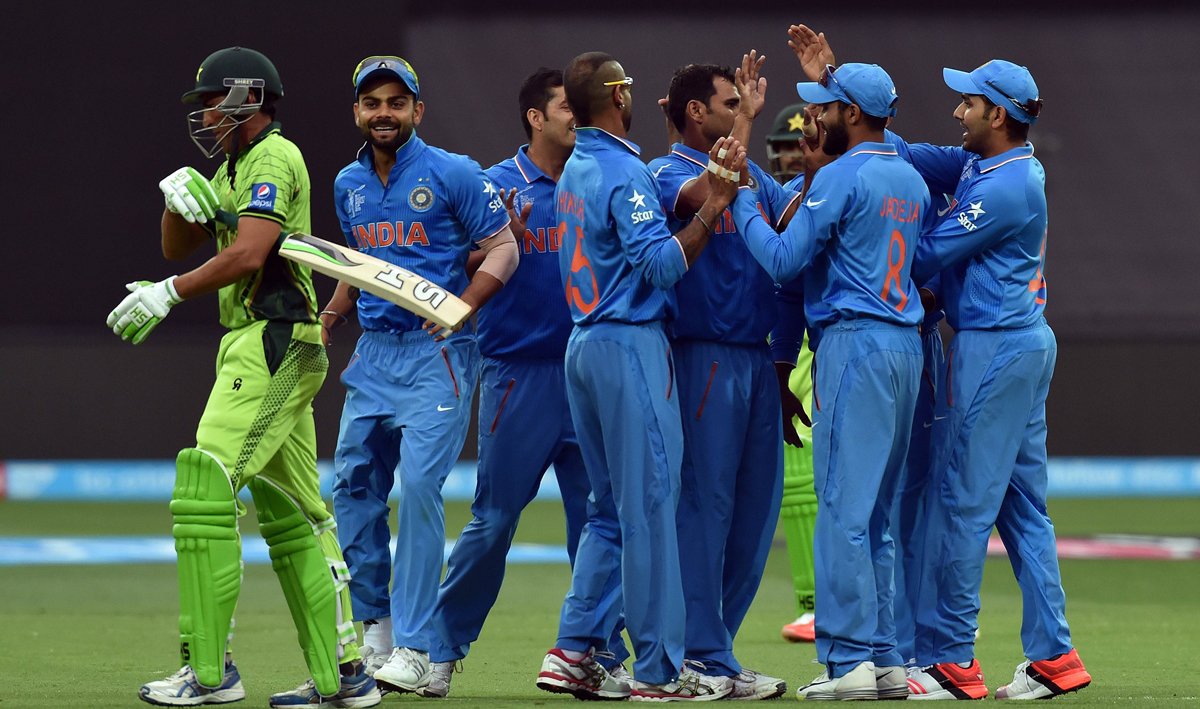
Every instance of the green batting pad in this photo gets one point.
(210, 561)
(798, 514)
(308, 579)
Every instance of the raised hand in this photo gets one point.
(516, 221)
(751, 87)
(726, 170)
(189, 194)
(811, 50)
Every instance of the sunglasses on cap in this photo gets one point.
(393, 63)
(828, 78)
(1031, 107)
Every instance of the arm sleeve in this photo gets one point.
(671, 180)
(784, 255)
(266, 187)
(977, 225)
(775, 197)
(787, 337)
(476, 199)
(500, 256)
(340, 197)
(647, 242)
(940, 167)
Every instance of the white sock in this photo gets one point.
(573, 655)
(378, 635)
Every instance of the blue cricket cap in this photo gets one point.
(867, 85)
(386, 66)
(1004, 84)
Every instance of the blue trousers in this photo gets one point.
(408, 405)
(621, 389)
(524, 427)
(908, 517)
(867, 375)
(730, 491)
(990, 470)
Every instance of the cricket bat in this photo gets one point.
(414, 293)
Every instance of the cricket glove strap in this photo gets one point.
(190, 195)
(143, 309)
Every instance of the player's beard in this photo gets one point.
(401, 136)
(837, 138)
(627, 116)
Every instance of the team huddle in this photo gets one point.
(698, 346)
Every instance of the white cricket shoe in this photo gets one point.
(858, 683)
(583, 678)
(439, 679)
(1047, 678)
(891, 682)
(751, 685)
(690, 686)
(182, 689)
(406, 670)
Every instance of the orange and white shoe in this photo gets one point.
(1047, 678)
(801, 630)
(947, 680)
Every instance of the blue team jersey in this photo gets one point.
(856, 232)
(990, 247)
(427, 218)
(726, 296)
(528, 317)
(618, 259)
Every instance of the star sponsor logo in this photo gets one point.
(640, 212)
(968, 216)
(495, 201)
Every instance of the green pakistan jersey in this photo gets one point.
(271, 183)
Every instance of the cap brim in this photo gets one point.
(813, 92)
(961, 82)
(382, 73)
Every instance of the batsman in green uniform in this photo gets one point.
(798, 513)
(257, 429)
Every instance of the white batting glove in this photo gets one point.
(143, 309)
(189, 194)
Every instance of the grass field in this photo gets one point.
(88, 636)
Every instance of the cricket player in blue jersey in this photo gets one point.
(525, 423)
(731, 480)
(619, 261)
(856, 233)
(990, 251)
(409, 385)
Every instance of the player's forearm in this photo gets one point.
(339, 308)
(782, 258)
(694, 237)
(480, 290)
(179, 237)
(248, 252)
(742, 124)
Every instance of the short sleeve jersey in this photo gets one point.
(726, 296)
(618, 259)
(528, 317)
(271, 182)
(435, 206)
(990, 244)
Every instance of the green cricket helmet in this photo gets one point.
(788, 128)
(234, 72)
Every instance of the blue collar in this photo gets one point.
(1022, 153)
(690, 154)
(599, 135)
(873, 149)
(527, 168)
(405, 154)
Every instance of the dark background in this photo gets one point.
(91, 122)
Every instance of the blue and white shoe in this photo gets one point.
(182, 689)
(358, 690)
